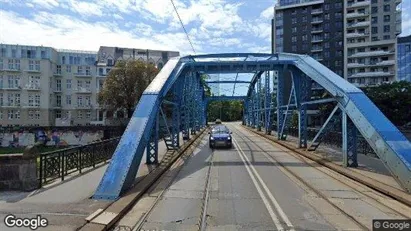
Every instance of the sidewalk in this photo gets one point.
(65, 204)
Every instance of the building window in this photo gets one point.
(58, 114)
(88, 72)
(58, 69)
(80, 70)
(31, 100)
(80, 100)
(87, 101)
(17, 115)
(37, 100)
(63, 60)
(58, 100)
(374, 20)
(31, 65)
(109, 62)
(387, 8)
(10, 114)
(387, 37)
(1, 115)
(37, 65)
(293, 20)
(387, 18)
(386, 28)
(68, 69)
(294, 39)
(294, 29)
(79, 84)
(100, 71)
(37, 115)
(374, 10)
(1, 64)
(68, 83)
(88, 83)
(374, 30)
(58, 84)
(88, 114)
(68, 99)
(1, 99)
(43, 54)
(79, 115)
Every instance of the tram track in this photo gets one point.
(406, 212)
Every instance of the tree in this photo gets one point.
(125, 84)
(393, 99)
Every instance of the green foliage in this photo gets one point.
(394, 100)
(125, 84)
(229, 110)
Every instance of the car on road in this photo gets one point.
(217, 121)
(220, 136)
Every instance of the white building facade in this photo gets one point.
(42, 86)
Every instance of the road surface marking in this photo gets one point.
(263, 197)
(270, 195)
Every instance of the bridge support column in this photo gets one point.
(349, 147)
(259, 91)
(175, 132)
(302, 89)
(152, 147)
(267, 104)
(185, 110)
(280, 102)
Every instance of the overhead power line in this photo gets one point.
(188, 37)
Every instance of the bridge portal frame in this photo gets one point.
(181, 76)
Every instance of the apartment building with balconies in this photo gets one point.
(354, 38)
(42, 86)
(312, 27)
(371, 28)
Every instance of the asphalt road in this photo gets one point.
(250, 189)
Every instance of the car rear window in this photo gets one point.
(220, 129)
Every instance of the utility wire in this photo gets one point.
(175, 9)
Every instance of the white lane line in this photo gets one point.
(260, 191)
(270, 195)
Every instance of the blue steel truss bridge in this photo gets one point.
(280, 85)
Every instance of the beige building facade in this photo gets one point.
(42, 86)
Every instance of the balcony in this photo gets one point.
(316, 30)
(30, 105)
(58, 74)
(358, 24)
(83, 106)
(33, 71)
(370, 53)
(316, 40)
(316, 49)
(371, 74)
(57, 105)
(32, 87)
(356, 35)
(82, 74)
(10, 105)
(317, 11)
(358, 4)
(11, 70)
(12, 88)
(357, 15)
(57, 90)
(316, 21)
(83, 90)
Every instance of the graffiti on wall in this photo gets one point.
(51, 137)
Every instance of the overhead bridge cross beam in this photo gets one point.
(268, 103)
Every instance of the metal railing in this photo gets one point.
(58, 164)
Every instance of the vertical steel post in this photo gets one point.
(280, 101)
(259, 90)
(152, 147)
(349, 147)
(267, 101)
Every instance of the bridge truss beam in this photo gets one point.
(175, 103)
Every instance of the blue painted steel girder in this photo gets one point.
(382, 136)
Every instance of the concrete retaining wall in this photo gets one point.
(18, 172)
